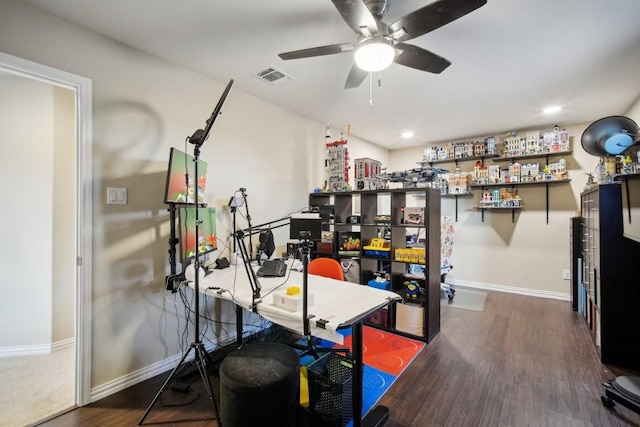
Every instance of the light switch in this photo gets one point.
(116, 196)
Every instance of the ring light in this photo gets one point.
(609, 136)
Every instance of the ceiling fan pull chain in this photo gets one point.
(370, 89)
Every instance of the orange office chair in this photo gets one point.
(326, 267)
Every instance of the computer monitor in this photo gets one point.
(181, 179)
(207, 240)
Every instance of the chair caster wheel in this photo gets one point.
(607, 401)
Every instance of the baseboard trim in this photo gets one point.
(510, 289)
(36, 349)
(151, 371)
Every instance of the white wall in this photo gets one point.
(26, 165)
(527, 255)
(142, 107)
(64, 215)
(634, 113)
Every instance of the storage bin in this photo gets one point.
(330, 389)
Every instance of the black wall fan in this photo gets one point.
(365, 19)
(610, 136)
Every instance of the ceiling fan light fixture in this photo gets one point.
(375, 54)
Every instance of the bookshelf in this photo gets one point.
(381, 215)
(609, 286)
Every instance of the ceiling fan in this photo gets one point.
(380, 44)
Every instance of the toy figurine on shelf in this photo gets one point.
(412, 288)
(590, 181)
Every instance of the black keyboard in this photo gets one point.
(272, 268)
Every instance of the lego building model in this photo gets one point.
(336, 166)
(528, 172)
(366, 174)
(500, 198)
(460, 150)
(458, 182)
(532, 142)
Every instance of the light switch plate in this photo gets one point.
(116, 196)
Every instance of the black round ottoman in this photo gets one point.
(260, 386)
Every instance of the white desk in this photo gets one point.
(340, 303)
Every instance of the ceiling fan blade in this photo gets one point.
(357, 16)
(432, 16)
(420, 59)
(356, 77)
(317, 51)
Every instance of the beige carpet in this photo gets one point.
(466, 299)
(35, 387)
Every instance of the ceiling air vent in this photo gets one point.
(273, 76)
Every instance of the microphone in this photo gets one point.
(196, 137)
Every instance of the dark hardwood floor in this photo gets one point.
(523, 361)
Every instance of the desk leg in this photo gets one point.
(378, 415)
(239, 330)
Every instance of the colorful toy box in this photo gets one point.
(349, 243)
(378, 248)
(412, 255)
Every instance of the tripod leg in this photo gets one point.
(172, 376)
(203, 357)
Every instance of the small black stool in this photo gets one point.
(260, 385)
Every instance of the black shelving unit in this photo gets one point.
(371, 205)
(575, 255)
(610, 278)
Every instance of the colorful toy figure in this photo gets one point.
(412, 288)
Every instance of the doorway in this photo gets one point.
(46, 163)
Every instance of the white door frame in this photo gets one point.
(84, 203)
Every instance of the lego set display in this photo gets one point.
(500, 198)
(367, 174)
(460, 150)
(516, 172)
(532, 143)
(336, 166)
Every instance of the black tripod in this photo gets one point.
(200, 358)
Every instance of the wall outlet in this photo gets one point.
(566, 275)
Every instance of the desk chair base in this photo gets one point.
(312, 350)
(623, 390)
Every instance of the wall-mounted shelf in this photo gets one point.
(513, 184)
(455, 196)
(513, 210)
(519, 148)
(531, 156)
(464, 159)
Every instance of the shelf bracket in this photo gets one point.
(547, 201)
(456, 197)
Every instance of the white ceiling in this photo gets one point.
(510, 59)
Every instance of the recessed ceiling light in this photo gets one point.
(551, 110)
(408, 134)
